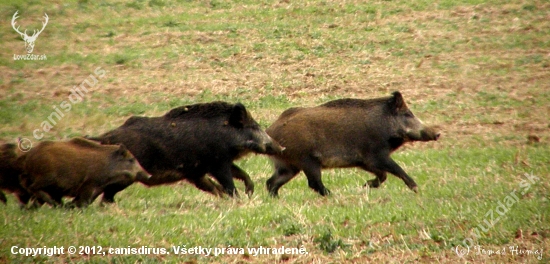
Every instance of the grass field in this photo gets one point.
(479, 70)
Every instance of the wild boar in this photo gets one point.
(10, 169)
(77, 168)
(345, 133)
(191, 141)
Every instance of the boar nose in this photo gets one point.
(437, 136)
(273, 147)
(143, 176)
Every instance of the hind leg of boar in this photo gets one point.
(223, 175)
(35, 202)
(23, 198)
(3, 197)
(41, 195)
(313, 173)
(95, 195)
(238, 173)
(283, 173)
(390, 166)
(85, 197)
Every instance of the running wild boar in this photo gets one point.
(77, 168)
(345, 133)
(191, 141)
(10, 169)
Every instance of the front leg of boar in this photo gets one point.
(238, 173)
(223, 175)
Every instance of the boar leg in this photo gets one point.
(110, 190)
(393, 168)
(36, 202)
(23, 198)
(42, 195)
(206, 184)
(36, 190)
(223, 175)
(114, 186)
(313, 174)
(283, 173)
(218, 188)
(376, 182)
(3, 197)
(238, 173)
(86, 196)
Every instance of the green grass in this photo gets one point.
(476, 69)
(451, 202)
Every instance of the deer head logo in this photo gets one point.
(29, 40)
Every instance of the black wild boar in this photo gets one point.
(77, 168)
(10, 169)
(344, 133)
(191, 141)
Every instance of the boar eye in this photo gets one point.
(408, 114)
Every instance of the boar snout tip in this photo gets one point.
(275, 150)
(430, 134)
(279, 149)
(143, 176)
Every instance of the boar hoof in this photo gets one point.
(324, 192)
(30, 207)
(414, 189)
(107, 200)
(105, 203)
(374, 183)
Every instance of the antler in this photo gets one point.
(13, 23)
(43, 25)
(34, 32)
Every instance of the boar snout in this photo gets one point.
(143, 176)
(266, 146)
(274, 148)
(429, 134)
(425, 134)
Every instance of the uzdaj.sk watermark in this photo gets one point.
(492, 217)
(77, 95)
(29, 40)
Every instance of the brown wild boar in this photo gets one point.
(345, 133)
(10, 169)
(77, 168)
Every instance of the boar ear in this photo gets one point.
(121, 151)
(238, 115)
(396, 102)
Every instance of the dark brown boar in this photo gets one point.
(77, 168)
(191, 141)
(10, 169)
(345, 133)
